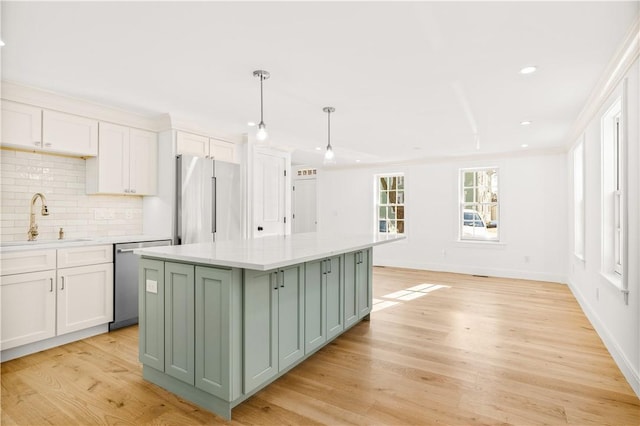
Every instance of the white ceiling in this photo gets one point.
(408, 80)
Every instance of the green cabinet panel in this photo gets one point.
(363, 278)
(179, 321)
(273, 309)
(260, 338)
(334, 296)
(213, 331)
(290, 315)
(151, 313)
(351, 311)
(314, 306)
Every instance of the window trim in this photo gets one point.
(377, 205)
(579, 182)
(462, 204)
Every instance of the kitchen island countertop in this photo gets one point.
(270, 252)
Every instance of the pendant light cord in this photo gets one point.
(328, 129)
(261, 102)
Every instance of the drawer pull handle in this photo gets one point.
(50, 285)
(125, 250)
(62, 286)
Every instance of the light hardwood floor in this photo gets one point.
(456, 350)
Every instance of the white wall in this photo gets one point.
(62, 181)
(617, 323)
(533, 216)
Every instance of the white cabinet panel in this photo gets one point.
(85, 255)
(221, 150)
(16, 262)
(28, 308)
(188, 143)
(85, 297)
(127, 162)
(69, 134)
(21, 125)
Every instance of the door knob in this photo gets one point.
(260, 228)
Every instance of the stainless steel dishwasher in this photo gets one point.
(125, 286)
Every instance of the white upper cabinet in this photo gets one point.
(127, 162)
(203, 146)
(69, 134)
(21, 125)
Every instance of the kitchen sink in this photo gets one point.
(41, 242)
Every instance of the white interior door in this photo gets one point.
(268, 195)
(304, 206)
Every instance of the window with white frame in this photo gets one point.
(479, 204)
(612, 190)
(578, 201)
(390, 217)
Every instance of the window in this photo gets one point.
(479, 206)
(578, 201)
(390, 216)
(612, 192)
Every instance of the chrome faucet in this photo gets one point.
(33, 226)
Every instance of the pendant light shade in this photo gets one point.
(329, 155)
(261, 134)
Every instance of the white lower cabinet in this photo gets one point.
(28, 308)
(47, 303)
(85, 297)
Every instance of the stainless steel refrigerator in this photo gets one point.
(208, 200)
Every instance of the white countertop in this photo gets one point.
(268, 252)
(75, 242)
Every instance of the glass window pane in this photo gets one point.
(382, 214)
(400, 197)
(383, 183)
(468, 195)
(400, 212)
(400, 182)
(392, 197)
(393, 182)
(400, 226)
(468, 179)
(392, 225)
(392, 212)
(382, 226)
(384, 197)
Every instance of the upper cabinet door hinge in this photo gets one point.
(285, 172)
(285, 219)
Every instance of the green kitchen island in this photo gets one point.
(220, 321)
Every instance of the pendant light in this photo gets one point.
(261, 134)
(329, 156)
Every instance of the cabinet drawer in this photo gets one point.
(18, 262)
(80, 256)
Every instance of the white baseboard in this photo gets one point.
(632, 375)
(491, 272)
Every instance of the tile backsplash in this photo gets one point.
(62, 181)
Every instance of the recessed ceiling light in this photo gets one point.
(525, 123)
(528, 70)
(318, 148)
(251, 124)
(357, 161)
(524, 145)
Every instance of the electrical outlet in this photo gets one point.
(152, 286)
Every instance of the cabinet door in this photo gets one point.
(21, 125)
(351, 311)
(334, 297)
(314, 305)
(28, 308)
(221, 150)
(213, 331)
(85, 297)
(260, 339)
(69, 134)
(111, 168)
(151, 313)
(143, 162)
(290, 316)
(365, 296)
(188, 143)
(179, 325)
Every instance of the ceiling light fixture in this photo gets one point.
(525, 123)
(528, 69)
(261, 134)
(329, 156)
(524, 145)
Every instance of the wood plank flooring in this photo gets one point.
(454, 349)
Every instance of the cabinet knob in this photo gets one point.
(47, 144)
(36, 143)
(126, 191)
(133, 191)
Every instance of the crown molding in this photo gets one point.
(50, 100)
(624, 58)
